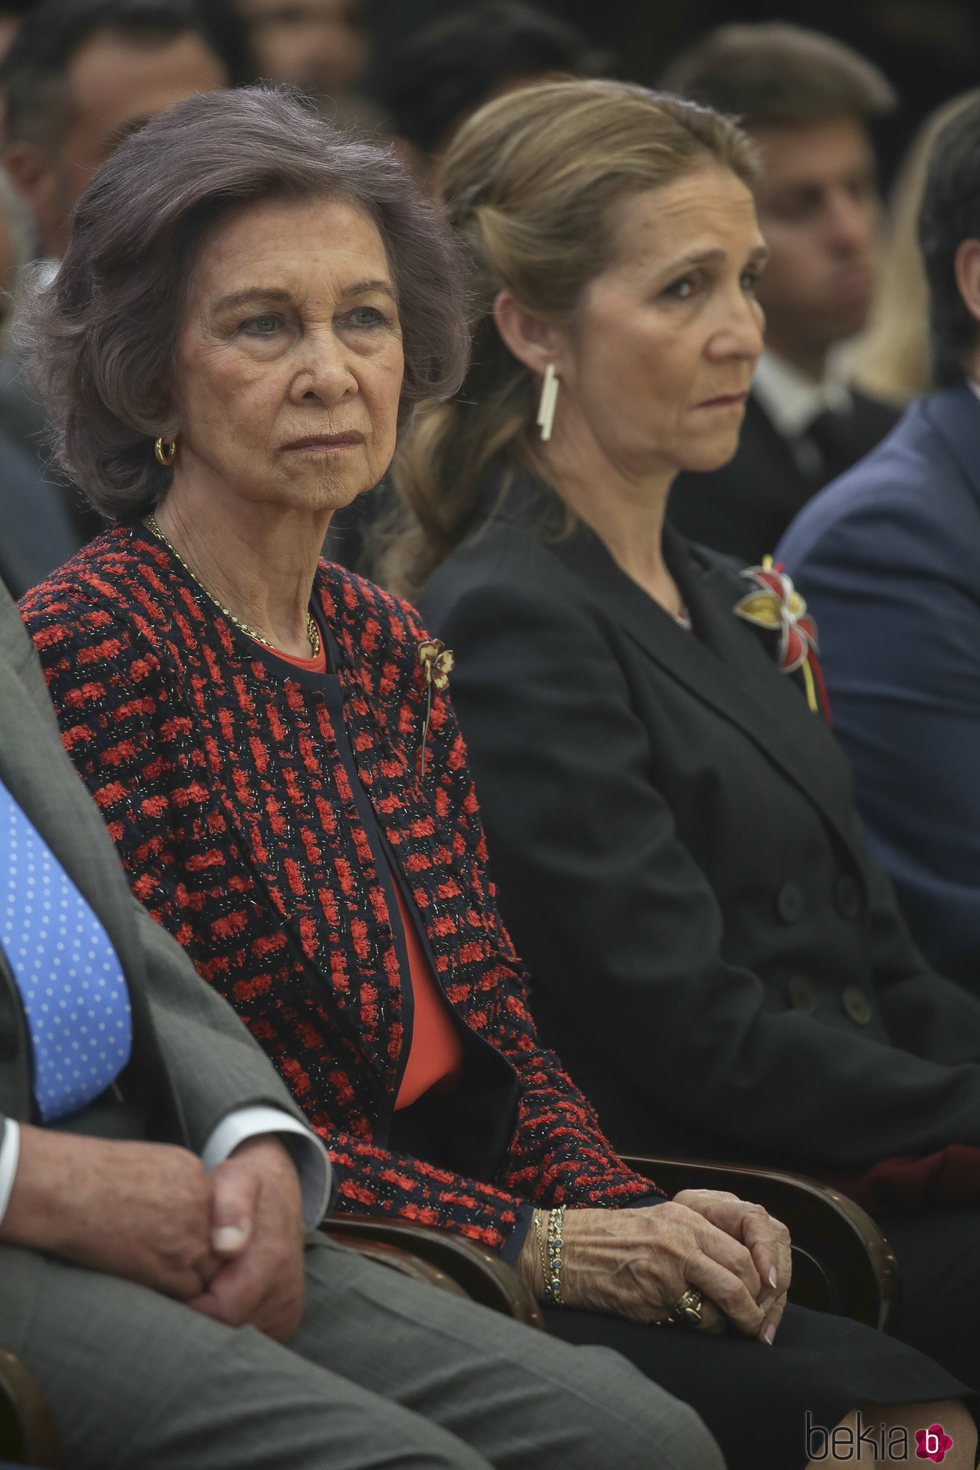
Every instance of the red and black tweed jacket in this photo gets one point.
(220, 780)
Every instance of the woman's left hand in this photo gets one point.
(766, 1239)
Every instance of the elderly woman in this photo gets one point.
(715, 956)
(248, 306)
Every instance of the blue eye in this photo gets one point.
(265, 325)
(750, 280)
(367, 316)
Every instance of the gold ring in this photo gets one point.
(686, 1311)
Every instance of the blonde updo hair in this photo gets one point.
(531, 183)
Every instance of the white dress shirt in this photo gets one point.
(792, 400)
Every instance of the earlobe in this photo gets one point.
(24, 163)
(30, 168)
(532, 341)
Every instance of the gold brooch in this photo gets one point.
(437, 663)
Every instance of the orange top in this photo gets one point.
(436, 1052)
(317, 665)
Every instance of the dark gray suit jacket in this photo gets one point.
(193, 1061)
(714, 955)
(38, 532)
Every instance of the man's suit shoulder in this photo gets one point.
(912, 487)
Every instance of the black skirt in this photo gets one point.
(761, 1402)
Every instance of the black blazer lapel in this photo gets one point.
(726, 664)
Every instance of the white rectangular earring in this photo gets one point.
(549, 397)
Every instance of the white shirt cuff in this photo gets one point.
(9, 1155)
(309, 1155)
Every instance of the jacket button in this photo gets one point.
(9, 1045)
(801, 994)
(847, 896)
(789, 903)
(857, 1005)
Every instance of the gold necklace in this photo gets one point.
(312, 631)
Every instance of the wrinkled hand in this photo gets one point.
(638, 1263)
(137, 1210)
(766, 1238)
(257, 1233)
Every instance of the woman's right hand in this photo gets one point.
(638, 1263)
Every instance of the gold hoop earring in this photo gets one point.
(549, 397)
(165, 451)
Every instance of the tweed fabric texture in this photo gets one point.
(220, 780)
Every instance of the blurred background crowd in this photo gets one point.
(79, 74)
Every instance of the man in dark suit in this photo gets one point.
(806, 100)
(155, 1180)
(79, 76)
(888, 558)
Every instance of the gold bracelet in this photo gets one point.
(552, 1279)
(539, 1235)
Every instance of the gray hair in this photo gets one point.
(102, 337)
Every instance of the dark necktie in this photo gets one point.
(830, 436)
(70, 981)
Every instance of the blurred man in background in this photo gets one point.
(448, 69)
(79, 76)
(316, 45)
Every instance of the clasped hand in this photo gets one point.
(638, 1263)
(228, 1243)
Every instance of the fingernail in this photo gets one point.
(768, 1336)
(773, 1278)
(229, 1238)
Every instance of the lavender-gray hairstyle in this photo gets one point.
(102, 336)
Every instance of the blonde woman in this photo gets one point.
(669, 822)
(890, 360)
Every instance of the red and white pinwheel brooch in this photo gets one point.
(776, 605)
(437, 663)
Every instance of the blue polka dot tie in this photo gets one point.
(69, 978)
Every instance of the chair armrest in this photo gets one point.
(27, 1431)
(841, 1260)
(477, 1272)
(397, 1258)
